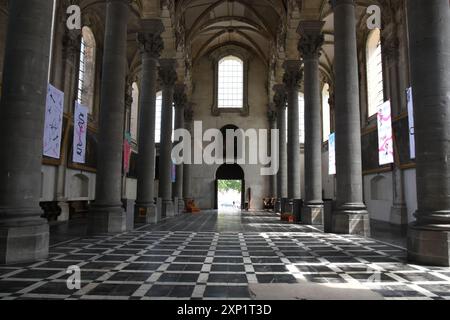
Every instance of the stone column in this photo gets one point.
(168, 77)
(106, 214)
(309, 46)
(272, 117)
(350, 215)
(24, 235)
(291, 79)
(279, 101)
(391, 51)
(187, 174)
(429, 236)
(151, 45)
(180, 100)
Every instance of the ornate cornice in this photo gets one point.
(279, 98)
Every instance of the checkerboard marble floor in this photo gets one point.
(218, 256)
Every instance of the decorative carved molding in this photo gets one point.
(179, 96)
(149, 39)
(189, 113)
(311, 40)
(167, 72)
(292, 74)
(280, 97)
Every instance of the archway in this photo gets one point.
(230, 176)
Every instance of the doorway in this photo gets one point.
(229, 188)
(229, 195)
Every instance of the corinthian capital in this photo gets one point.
(149, 39)
(179, 96)
(292, 74)
(311, 40)
(167, 72)
(279, 98)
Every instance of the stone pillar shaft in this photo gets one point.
(151, 45)
(280, 104)
(272, 116)
(351, 215)
(180, 105)
(24, 235)
(106, 214)
(187, 174)
(168, 77)
(291, 80)
(309, 46)
(313, 134)
(429, 22)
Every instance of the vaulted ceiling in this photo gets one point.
(252, 24)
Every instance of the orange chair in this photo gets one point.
(191, 207)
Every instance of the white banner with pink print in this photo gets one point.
(385, 136)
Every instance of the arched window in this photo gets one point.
(301, 120)
(326, 114)
(230, 83)
(158, 117)
(374, 72)
(134, 111)
(86, 73)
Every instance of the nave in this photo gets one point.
(232, 255)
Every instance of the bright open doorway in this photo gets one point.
(229, 195)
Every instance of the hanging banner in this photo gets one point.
(54, 110)
(412, 138)
(332, 154)
(80, 123)
(174, 173)
(127, 153)
(385, 138)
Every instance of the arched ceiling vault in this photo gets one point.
(253, 24)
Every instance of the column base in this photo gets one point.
(285, 208)
(181, 206)
(277, 208)
(312, 214)
(351, 222)
(428, 247)
(24, 243)
(104, 219)
(297, 205)
(399, 215)
(167, 209)
(328, 208)
(146, 213)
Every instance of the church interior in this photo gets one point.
(349, 98)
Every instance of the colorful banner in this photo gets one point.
(385, 137)
(174, 173)
(332, 154)
(127, 153)
(80, 123)
(412, 138)
(54, 110)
